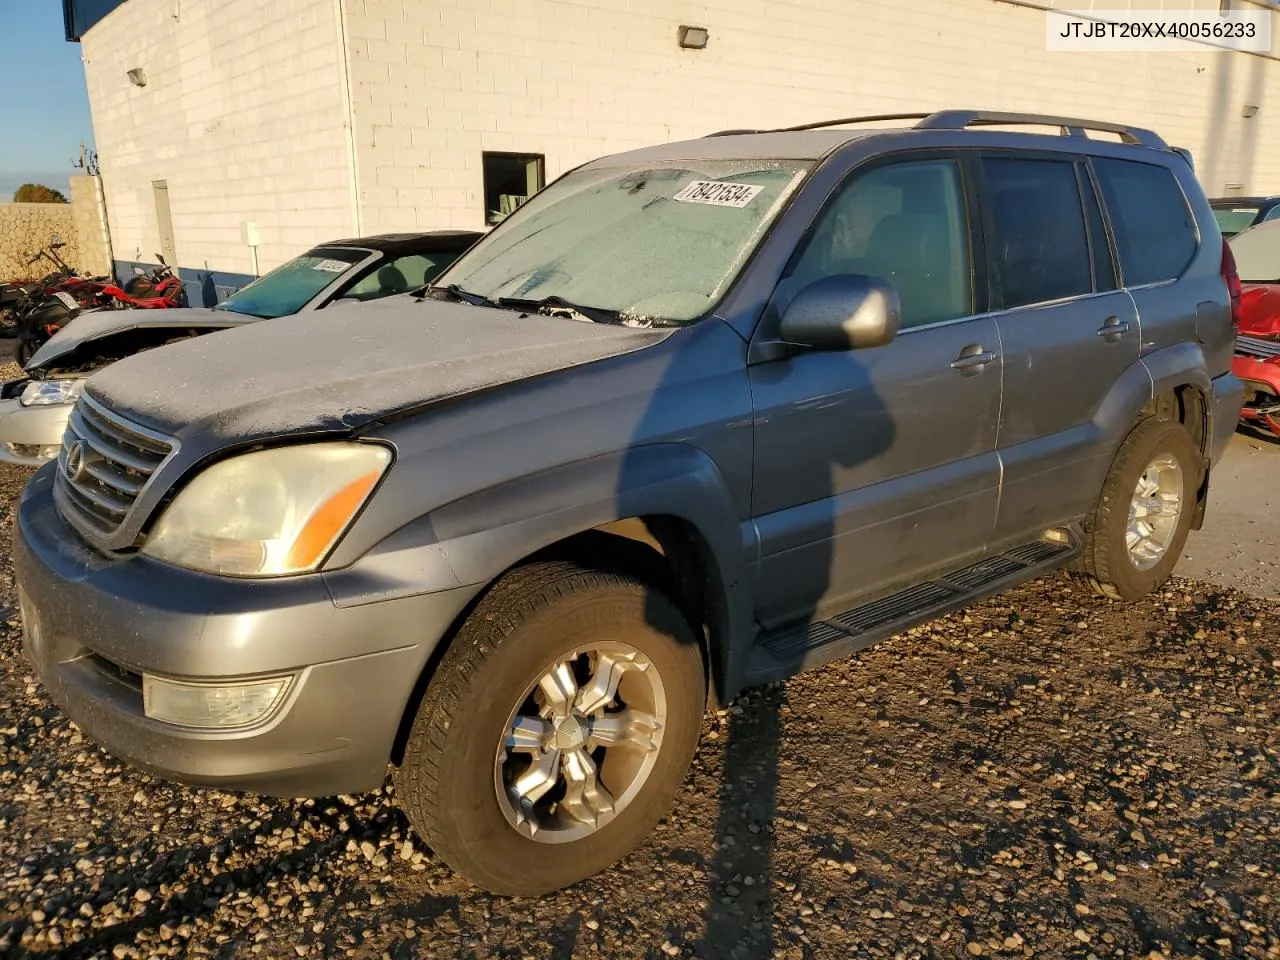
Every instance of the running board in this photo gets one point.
(793, 650)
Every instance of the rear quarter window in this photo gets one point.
(1154, 230)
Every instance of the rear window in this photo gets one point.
(1234, 219)
(1154, 231)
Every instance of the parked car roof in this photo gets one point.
(398, 244)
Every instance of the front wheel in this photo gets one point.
(1134, 538)
(556, 729)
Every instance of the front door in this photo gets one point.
(1067, 331)
(875, 467)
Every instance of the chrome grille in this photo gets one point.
(104, 463)
(1257, 347)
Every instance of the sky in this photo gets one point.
(45, 108)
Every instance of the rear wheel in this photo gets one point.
(556, 729)
(1134, 538)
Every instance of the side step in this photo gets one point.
(796, 649)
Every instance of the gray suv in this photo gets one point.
(695, 417)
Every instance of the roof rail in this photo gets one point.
(847, 120)
(826, 123)
(1070, 126)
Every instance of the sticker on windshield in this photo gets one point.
(331, 266)
(718, 193)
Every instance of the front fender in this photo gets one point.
(473, 540)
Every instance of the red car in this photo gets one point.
(1257, 357)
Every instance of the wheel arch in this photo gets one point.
(662, 513)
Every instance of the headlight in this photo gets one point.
(40, 392)
(268, 513)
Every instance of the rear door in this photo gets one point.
(1155, 234)
(1068, 331)
(876, 466)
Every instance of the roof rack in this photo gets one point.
(844, 121)
(960, 119)
(1070, 126)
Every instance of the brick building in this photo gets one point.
(313, 119)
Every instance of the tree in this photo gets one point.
(37, 193)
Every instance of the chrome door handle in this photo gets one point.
(971, 363)
(1112, 329)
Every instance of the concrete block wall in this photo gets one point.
(437, 82)
(243, 114)
(28, 227)
(88, 214)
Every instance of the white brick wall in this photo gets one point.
(436, 82)
(243, 114)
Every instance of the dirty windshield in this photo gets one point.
(653, 243)
(289, 287)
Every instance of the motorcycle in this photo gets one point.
(156, 289)
(16, 298)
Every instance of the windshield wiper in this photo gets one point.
(455, 292)
(553, 304)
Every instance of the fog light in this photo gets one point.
(38, 451)
(210, 705)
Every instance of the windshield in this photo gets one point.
(1233, 219)
(288, 287)
(659, 242)
(1257, 254)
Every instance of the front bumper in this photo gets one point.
(24, 430)
(92, 625)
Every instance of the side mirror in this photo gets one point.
(843, 312)
(139, 272)
(161, 260)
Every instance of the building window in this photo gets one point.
(509, 180)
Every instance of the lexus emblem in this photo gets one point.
(75, 461)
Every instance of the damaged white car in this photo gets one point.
(34, 409)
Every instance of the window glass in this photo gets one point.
(904, 223)
(509, 180)
(1154, 230)
(656, 242)
(1231, 220)
(1271, 214)
(401, 275)
(1039, 244)
(289, 287)
(1257, 254)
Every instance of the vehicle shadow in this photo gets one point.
(1257, 433)
(740, 920)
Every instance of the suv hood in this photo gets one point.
(341, 368)
(100, 324)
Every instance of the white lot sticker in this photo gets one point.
(67, 299)
(331, 266)
(718, 193)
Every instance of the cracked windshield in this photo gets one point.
(655, 243)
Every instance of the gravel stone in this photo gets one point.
(906, 759)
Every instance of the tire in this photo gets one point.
(454, 786)
(1107, 561)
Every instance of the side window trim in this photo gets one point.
(978, 293)
(1096, 213)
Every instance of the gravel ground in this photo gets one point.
(1044, 775)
